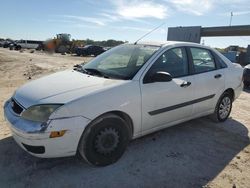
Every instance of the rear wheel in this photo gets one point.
(223, 108)
(104, 141)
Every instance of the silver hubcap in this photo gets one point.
(106, 141)
(225, 107)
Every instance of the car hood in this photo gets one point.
(61, 87)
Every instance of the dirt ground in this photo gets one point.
(197, 153)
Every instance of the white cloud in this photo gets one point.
(96, 21)
(202, 7)
(111, 17)
(135, 28)
(60, 21)
(141, 29)
(136, 9)
(240, 13)
(235, 13)
(192, 6)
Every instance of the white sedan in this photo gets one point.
(125, 93)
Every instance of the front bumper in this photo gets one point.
(33, 138)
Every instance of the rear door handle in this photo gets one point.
(217, 76)
(185, 84)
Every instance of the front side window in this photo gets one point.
(173, 61)
(203, 60)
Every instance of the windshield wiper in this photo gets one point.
(92, 71)
(88, 71)
(79, 68)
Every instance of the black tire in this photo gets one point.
(84, 54)
(18, 48)
(222, 105)
(104, 141)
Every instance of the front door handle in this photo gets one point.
(185, 84)
(217, 76)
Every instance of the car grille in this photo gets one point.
(16, 107)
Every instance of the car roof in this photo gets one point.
(169, 43)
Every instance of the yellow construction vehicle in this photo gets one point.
(60, 44)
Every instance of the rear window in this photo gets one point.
(203, 60)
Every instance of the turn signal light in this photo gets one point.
(55, 134)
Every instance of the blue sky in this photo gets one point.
(119, 19)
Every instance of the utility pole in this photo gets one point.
(231, 18)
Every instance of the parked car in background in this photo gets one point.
(2, 42)
(89, 50)
(127, 92)
(12, 46)
(246, 76)
(27, 44)
(6, 44)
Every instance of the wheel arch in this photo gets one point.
(127, 119)
(230, 91)
(121, 114)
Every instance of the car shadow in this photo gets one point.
(187, 155)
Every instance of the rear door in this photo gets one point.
(209, 79)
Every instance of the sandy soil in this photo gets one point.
(198, 153)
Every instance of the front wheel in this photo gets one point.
(104, 141)
(223, 108)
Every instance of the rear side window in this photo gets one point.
(220, 63)
(203, 60)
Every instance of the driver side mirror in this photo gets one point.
(161, 76)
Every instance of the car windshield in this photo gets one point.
(87, 46)
(121, 62)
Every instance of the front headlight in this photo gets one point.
(40, 113)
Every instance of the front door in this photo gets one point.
(166, 102)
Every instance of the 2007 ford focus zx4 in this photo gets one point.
(125, 93)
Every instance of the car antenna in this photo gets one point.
(149, 33)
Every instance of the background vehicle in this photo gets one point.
(2, 42)
(89, 50)
(246, 76)
(26, 44)
(6, 44)
(61, 44)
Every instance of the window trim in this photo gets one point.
(188, 64)
(192, 62)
